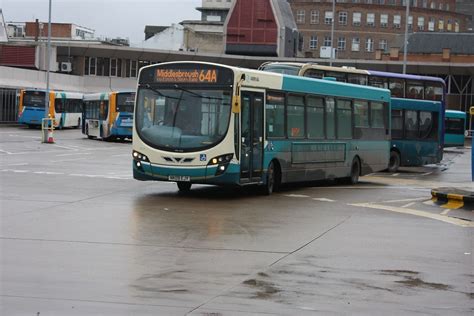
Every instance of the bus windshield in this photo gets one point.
(125, 102)
(34, 99)
(282, 69)
(178, 119)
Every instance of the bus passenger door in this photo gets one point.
(251, 137)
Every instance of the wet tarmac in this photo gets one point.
(79, 236)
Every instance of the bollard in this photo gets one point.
(47, 128)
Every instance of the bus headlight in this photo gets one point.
(139, 156)
(222, 163)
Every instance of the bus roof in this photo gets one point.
(454, 113)
(405, 76)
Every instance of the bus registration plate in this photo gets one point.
(179, 178)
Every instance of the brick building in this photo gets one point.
(363, 26)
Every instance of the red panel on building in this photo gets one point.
(17, 56)
(252, 22)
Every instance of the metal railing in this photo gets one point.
(9, 105)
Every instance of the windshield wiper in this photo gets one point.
(196, 94)
(147, 86)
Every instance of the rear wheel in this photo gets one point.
(355, 171)
(394, 162)
(184, 186)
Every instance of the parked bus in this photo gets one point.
(416, 101)
(108, 115)
(455, 122)
(64, 107)
(214, 124)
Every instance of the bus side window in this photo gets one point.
(330, 119)
(411, 124)
(397, 124)
(295, 116)
(344, 119)
(415, 90)
(314, 73)
(315, 117)
(275, 114)
(397, 88)
(377, 115)
(428, 125)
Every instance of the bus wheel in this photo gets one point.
(269, 187)
(184, 186)
(60, 126)
(355, 171)
(394, 162)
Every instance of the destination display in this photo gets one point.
(187, 75)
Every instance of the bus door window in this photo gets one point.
(415, 90)
(411, 124)
(397, 124)
(315, 117)
(295, 116)
(275, 114)
(103, 110)
(397, 87)
(344, 119)
(314, 73)
(58, 105)
(330, 119)
(428, 125)
(357, 79)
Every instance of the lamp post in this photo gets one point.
(332, 30)
(48, 57)
(407, 15)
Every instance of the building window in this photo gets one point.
(441, 6)
(313, 42)
(410, 22)
(383, 45)
(300, 16)
(341, 44)
(383, 20)
(433, 5)
(456, 26)
(356, 18)
(355, 44)
(328, 17)
(450, 25)
(447, 6)
(133, 70)
(92, 66)
(343, 18)
(421, 23)
(431, 25)
(392, 2)
(369, 45)
(397, 21)
(370, 19)
(327, 41)
(113, 67)
(425, 3)
(441, 25)
(314, 17)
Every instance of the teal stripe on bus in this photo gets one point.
(334, 89)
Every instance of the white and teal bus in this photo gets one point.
(214, 124)
(108, 115)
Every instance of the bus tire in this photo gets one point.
(60, 125)
(355, 171)
(184, 186)
(273, 179)
(394, 161)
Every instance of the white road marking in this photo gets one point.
(66, 160)
(297, 195)
(5, 152)
(445, 212)
(408, 205)
(438, 217)
(127, 177)
(430, 203)
(48, 172)
(323, 200)
(17, 164)
(405, 200)
(395, 174)
(427, 174)
(72, 154)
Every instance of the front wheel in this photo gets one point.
(184, 186)
(269, 187)
(394, 162)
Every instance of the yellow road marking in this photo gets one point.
(438, 217)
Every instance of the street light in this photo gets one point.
(48, 57)
(406, 38)
(332, 30)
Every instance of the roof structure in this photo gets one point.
(434, 43)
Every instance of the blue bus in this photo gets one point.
(416, 102)
(108, 115)
(455, 122)
(213, 124)
(64, 107)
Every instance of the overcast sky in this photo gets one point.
(110, 18)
